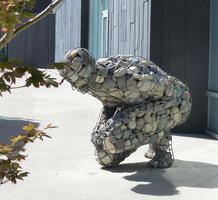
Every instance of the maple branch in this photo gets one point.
(38, 17)
(7, 37)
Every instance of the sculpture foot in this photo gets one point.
(161, 160)
(163, 152)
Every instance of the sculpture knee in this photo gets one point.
(107, 159)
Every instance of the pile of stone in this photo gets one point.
(149, 102)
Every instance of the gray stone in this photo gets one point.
(120, 72)
(147, 128)
(79, 83)
(127, 144)
(107, 159)
(121, 83)
(140, 137)
(176, 115)
(131, 84)
(145, 85)
(132, 95)
(99, 79)
(108, 83)
(126, 134)
(120, 144)
(139, 123)
(109, 146)
(117, 94)
(74, 76)
(135, 141)
(132, 124)
(132, 70)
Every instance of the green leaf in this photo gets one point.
(17, 139)
(28, 128)
(59, 66)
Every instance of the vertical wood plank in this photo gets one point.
(68, 27)
(136, 35)
(177, 37)
(132, 11)
(196, 70)
(128, 34)
(156, 47)
(130, 20)
(146, 29)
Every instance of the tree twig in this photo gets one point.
(18, 87)
(6, 38)
(38, 17)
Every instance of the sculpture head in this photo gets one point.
(79, 58)
(78, 69)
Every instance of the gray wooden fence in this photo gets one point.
(129, 27)
(67, 27)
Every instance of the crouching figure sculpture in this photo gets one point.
(141, 103)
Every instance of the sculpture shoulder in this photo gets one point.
(127, 65)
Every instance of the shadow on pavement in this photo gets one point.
(165, 182)
(10, 127)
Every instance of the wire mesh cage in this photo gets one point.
(142, 103)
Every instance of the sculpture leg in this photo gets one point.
(151, 151)
(103, 155)
(163, 152)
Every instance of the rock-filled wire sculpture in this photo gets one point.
(141, 104)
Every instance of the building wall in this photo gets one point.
(180, 46)
(129, 27)
(40, 5)
(67, 27)
(48, 40)
(35, 45)
(213, 73)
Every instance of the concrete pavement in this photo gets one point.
(64, 168)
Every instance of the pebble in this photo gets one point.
(132, 95)
(99, 79)
(109, 146)
(74, 77)
(120, 72)
(132, 124)
(132, 70)
(108, 83)
(176, 115)
(132, 85)
(121, 83)
(139, 123)
(145, 85)
(117, 94)
(107, 159)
